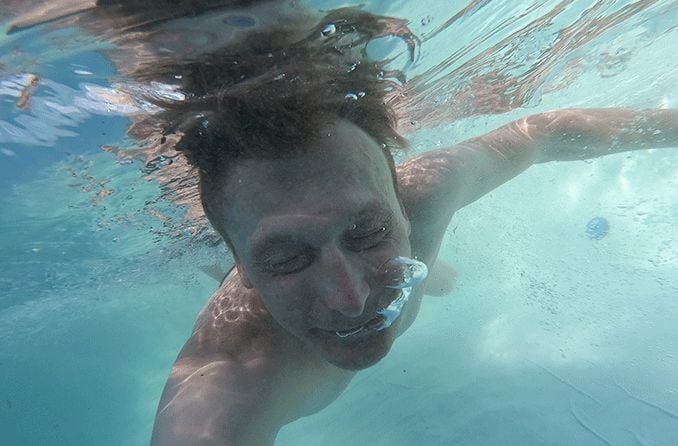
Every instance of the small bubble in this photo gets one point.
(279, 77)
(329, 30)
(352, 66)
(354, 96)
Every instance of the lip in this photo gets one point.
(369, 323)
(354, 334)
(354, 326)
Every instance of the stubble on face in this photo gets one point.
(334, 180)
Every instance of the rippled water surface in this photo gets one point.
(550, 336)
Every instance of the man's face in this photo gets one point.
(310, 233)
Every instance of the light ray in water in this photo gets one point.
(663, 410)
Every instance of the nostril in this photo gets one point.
(350, 305)
(354, 307)
(348, 297)
(344, 284)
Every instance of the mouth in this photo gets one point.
(403, 275)
(384, 319)
(368, 326)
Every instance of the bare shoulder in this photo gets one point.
(439, 182)
(221, 377)
(239, 377)
(426, 187)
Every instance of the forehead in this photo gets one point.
(342, 171)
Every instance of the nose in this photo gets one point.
(344, 288)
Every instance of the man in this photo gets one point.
(308, 199)
(293, 145)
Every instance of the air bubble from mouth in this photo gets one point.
(401, 273)
(370, 325)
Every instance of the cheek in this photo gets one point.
(399, 240)
(286, 299)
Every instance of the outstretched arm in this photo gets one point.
(465, 172)
(589, 133)
(212, 402)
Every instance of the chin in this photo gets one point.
(356, 363)
(356, 355)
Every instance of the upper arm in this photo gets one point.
(214, 402)
(459, 175)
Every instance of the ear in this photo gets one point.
(243, 275)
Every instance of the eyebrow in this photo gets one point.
(372, 213)
(262, 250)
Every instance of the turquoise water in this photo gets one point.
(549, 336)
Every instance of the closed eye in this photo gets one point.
(287, 266)
(367, 241)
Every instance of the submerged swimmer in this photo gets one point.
(306, 305)
(330, 238)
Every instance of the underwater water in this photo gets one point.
(560, 328)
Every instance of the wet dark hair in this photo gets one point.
(146, 11)
(269, 97)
